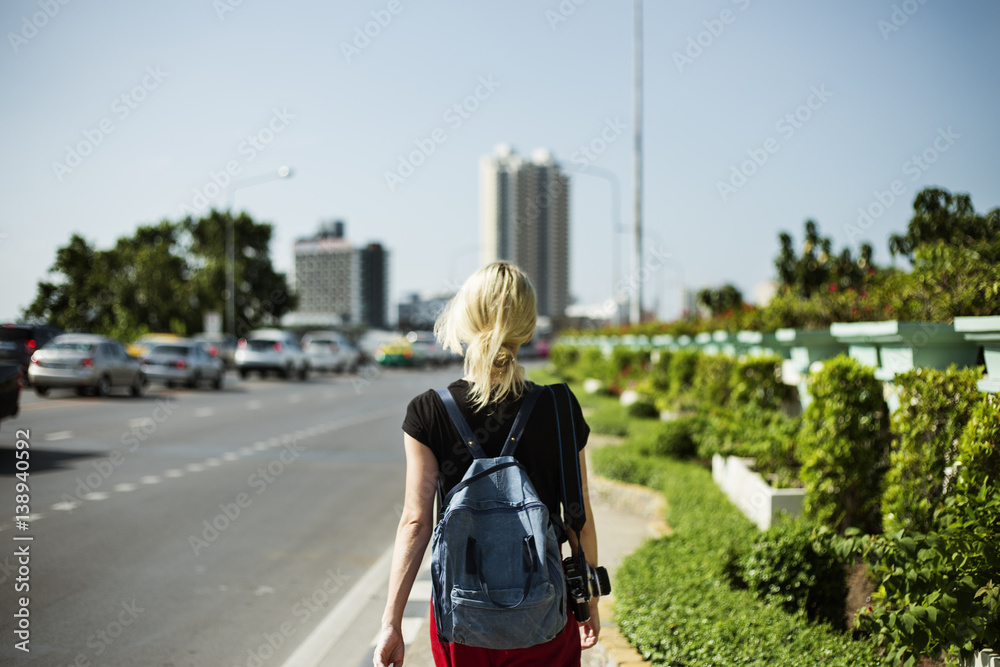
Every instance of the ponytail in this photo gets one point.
(489, 319)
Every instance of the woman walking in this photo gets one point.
(489, 319)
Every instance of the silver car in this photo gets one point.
(86, 363)
(330, 351)
(183, 362)
(271, 350)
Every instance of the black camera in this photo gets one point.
(582, 583)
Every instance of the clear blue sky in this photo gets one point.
(890, 92)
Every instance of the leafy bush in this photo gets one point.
(642, 409)
(757, 381)
(671, 606)
(844, 446)
(713, 378)
(564, 359)
(659, 371)
(626, 364)
(673, 439)
(683, 364)
(767, 436)
(938, 591)
(789, 565)
(623, 463)
(592, 364)
(934, 407)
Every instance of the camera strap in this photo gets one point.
(574, 514)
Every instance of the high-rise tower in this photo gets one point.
(524, 218)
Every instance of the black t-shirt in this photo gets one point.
(427, 421)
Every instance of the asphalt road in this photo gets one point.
(201, 527)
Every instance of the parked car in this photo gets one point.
(18, 341)
(183, 362)
(219, 345)
(140, 346)
(330, 351)
(267, 350)
(10, 390)
(86, 363)
(398, 353)
(427, 349)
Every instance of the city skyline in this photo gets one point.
(757, 117)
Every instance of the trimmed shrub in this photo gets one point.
(844, 446)
(790, 565)
(757, 381)
(642, 409)
(713, 378)
(564, 359)
(934, 407)
(683, 364)
(659, 371)
(939, 591)
(592, 364)
(672, 603)
(673, 439)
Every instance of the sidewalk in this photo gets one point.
(626, 516)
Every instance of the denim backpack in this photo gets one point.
(495, 562)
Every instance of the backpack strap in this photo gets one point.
(458, 420)
(521, 420)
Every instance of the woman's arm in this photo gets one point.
(412, 536)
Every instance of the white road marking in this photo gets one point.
(96, 495)
(273, 442)
(138, 423)
(230, 456)
(295, 398)
(66, 506)
(246, 451)
(260, 446)
(174, 473)
(253, 405)
(204, 412)
(212, 462)
(339, 620)
(126, 487)
(195, 467)
(59, 435)
(149, 479)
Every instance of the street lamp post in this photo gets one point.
(616, 227)
(282, 172)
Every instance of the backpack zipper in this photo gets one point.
(493, 510)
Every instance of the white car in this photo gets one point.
(271, 350)
(330, 351)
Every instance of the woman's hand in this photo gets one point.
(389, 649)
(590, 630)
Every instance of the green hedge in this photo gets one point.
(934, 407)
(757, 382)
(844, 446)
(672, 601)
(713, 378)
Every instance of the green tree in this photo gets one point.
(163, 277)
(725, 299)
(939, 215)
(262, 294)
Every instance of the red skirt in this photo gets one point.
(563, 651)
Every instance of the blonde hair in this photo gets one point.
(493, 315)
